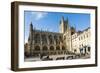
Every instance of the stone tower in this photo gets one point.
(67, 34)
(66, 30)
(62, 25)
(30, 39)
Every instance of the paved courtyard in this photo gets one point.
(57, 57)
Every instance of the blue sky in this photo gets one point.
(49, 21)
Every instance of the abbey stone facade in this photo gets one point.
(67, 41)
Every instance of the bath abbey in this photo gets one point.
(65, 44)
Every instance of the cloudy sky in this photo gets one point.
(49, 21)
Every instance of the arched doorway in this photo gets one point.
(45, 48)
(36, 51)
(58, 48)
(63, 48)
(44, 51)
(51, 48)
(37, 48)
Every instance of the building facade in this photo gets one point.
(67, 41)
(81, 41)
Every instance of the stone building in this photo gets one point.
(81, 41)
(67, 41)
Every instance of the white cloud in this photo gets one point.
(38, 15)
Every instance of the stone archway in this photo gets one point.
(45, 48)
(51, 48)
(63, 48)
(36, 51)
(57, 47)
(37, 48)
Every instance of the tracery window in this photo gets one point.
(37, 38)
(44, 39)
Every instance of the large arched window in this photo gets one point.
(37, 48)
(61, 39)
(37, 38)
(50, 39)
(45, 48)
(58, 48)
(55, 37)
(51, 48)
(63, 48)
(44, 39)
(57, 40)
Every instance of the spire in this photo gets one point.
(67, 26)
(67, 21)
(62, 18)
(30, 32)
(62, 25)
(31, 27)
